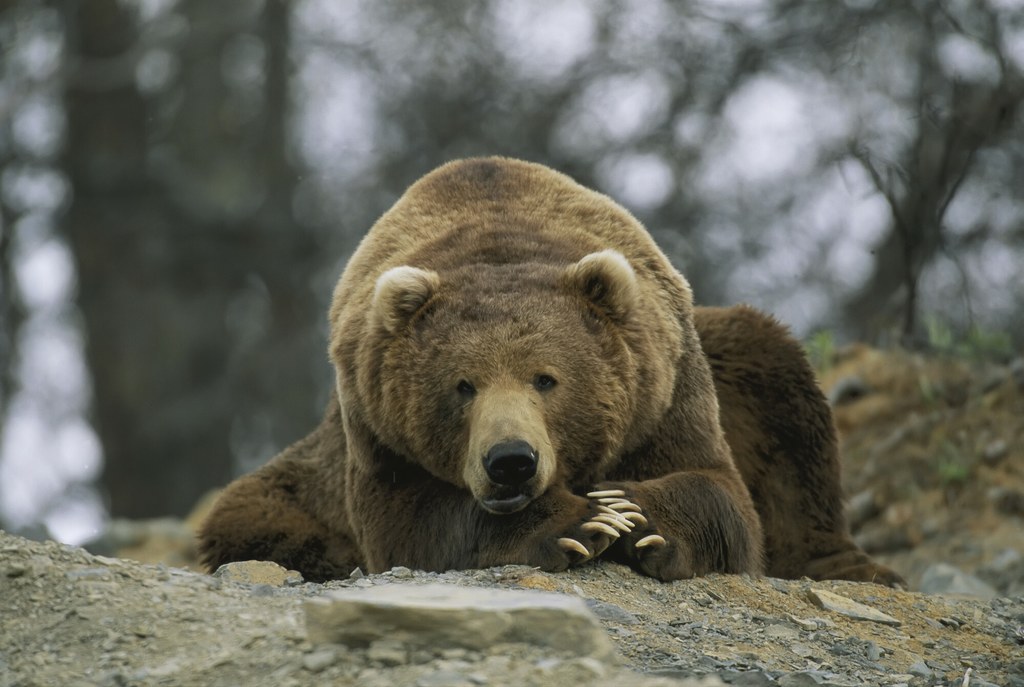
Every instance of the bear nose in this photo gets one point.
(511, 463)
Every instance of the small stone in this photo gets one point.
(258, 573)
(848, 607)
(537, 581)
(356, 574)
(611, 612)
(445, 678)
(920, 669)
(15, 569)
(803, 678)
(400, 572)
(802, 623)
(801, 650)
(995, 451)
(781, 632)
(319, 660)
(578, 671)
(873, 652)
(388, 652)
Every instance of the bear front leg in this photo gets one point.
(428, 524)
(690, 524)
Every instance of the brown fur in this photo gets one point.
(499, 301)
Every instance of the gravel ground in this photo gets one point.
(72, 618)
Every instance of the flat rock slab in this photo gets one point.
(441, 616)
(848, 607)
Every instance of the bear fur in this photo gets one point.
(505, 342)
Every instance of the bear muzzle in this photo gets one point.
(510, 465)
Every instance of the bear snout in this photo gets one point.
(511, 463)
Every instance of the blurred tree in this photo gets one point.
(956, 121)
(202, 330)
(854, 166)
(795, 155)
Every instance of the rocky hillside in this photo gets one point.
(934, 461)
(933, 452)
(71, 618)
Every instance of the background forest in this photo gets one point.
(181, 182)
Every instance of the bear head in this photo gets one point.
(509, 377)
(506, 329)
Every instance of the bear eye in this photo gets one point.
(465, 389)
(544, 382)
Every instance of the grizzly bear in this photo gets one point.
(522, 378)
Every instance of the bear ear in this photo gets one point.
(607, 281)
(400, 292)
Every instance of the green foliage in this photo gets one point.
(975, 344)
(821, 349)
(952, 467)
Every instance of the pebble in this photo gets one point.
(781, 632)
(920, 669)
(848, 607)
(995, 451)
(258, 573)
(445, 678)
(611, 612)
(320, 659)
(388, 652)
(814, 678)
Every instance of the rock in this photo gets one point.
(814, 678)
(848, 390)
(1008, 501)
(317, 661)
(781, 632)
(848, 607)
(862, 507)
(258, 572)
(388, 652)
(607, 611)
(942, 578)
(538, 580)
(920, 669)
(995, 451)
(443, 616)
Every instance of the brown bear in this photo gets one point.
(521, 377)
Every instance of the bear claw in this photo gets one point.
(655, 540)
(624, 506)
(618, 523)
(606, 493)
(594, 526)
(635, 518)
(570, 544)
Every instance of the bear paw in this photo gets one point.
(614, 516)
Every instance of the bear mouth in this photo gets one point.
(502, 504)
